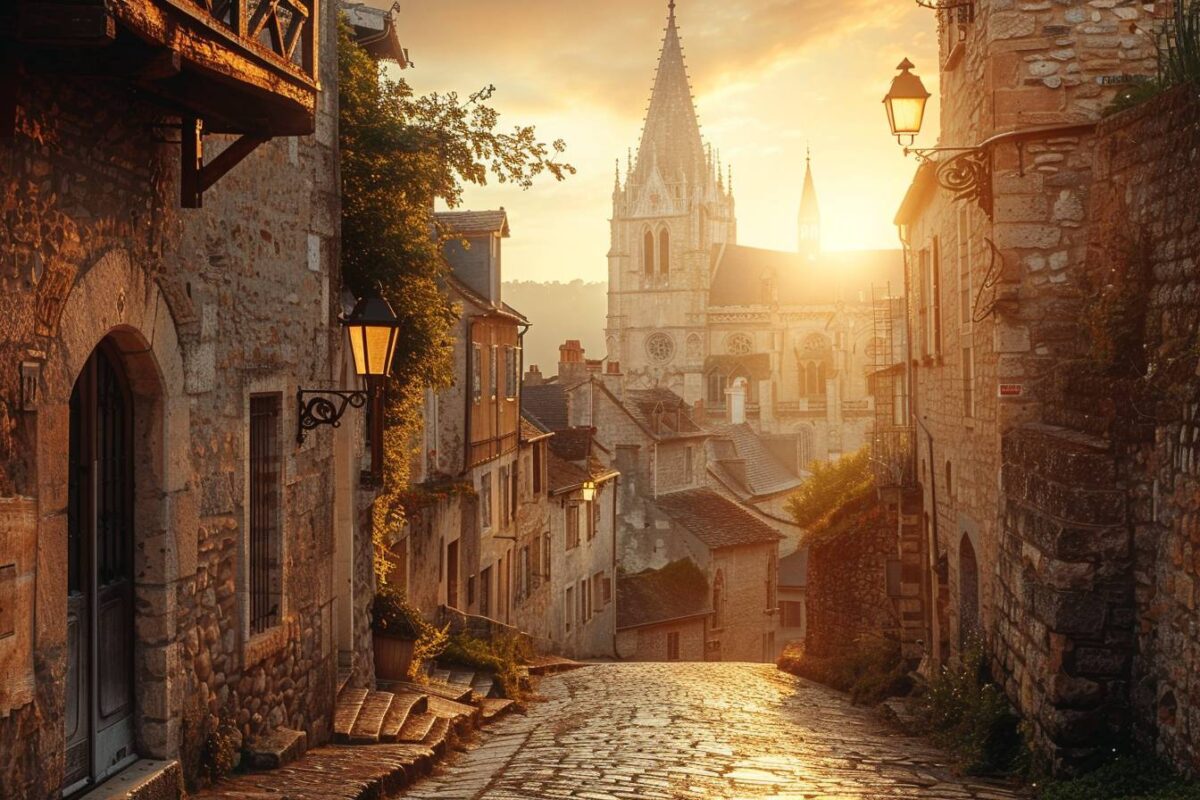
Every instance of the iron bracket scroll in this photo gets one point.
(317, 407)
(967, 175)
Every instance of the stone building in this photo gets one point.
(664, 614)
(458, 548)
(665, 510)
(692, 311)
(171, 555)
(1025, 252)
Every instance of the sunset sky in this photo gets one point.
(770, 78)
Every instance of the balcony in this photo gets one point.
(241, 67)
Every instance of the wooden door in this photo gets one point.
(99, 686)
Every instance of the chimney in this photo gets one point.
(614, 381)
(735, 401)
(571, 364)
(533, 377)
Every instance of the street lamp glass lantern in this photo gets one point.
(588, 491)
(905, 103)
(374, 331)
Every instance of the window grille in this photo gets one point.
(264, 511)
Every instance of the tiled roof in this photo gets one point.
(468, 222)
(752, 276)
(714, 520)
(661, 411)
(547, 404)
(793, 569)
(573, 444)
(762, 473)
(676, 591)
(531, 429)
(563, 474)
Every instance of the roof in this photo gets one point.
(573, 444)
(375, 31)
(661, 412)
(671, 136)
(793, 569)
(747, 464)
(753, 276)
(481, 302)
(918, 194)
(532, 430)
(565, 475)
(677, 591)
(715, 520)
(547, 404)
(474, 222)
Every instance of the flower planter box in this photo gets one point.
(393, 657)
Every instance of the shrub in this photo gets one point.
(870, 674)
(1125, 778)
(503, 655)
(1178, 44)
(833, 485)
(971, 717)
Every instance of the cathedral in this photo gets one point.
(782, 340)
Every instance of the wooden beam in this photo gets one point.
(229, 158)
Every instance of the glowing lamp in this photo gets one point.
(905, 104)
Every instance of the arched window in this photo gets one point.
(664, 251)
(804, 446)
(813, 385)
(968, 592)
(648, 254)
(718, 600)
(949, 482)
(820, 379)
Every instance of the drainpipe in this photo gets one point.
(616, 486)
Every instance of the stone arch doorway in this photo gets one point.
(99, 696)
(968, 592)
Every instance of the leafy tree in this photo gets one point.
(832, 486)
(399, 153)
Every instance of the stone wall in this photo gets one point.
(205, 307)
(847, 579)
(650, 643)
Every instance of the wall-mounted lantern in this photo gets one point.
(588, 491)
(374, 331)
(905, 104)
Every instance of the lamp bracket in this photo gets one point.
(317, 407)
(967, 175)
(943, 5)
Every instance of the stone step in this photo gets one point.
(484, 684)
(546, 665)
(459, 694)
(439, 675)
(345, 713)
(417, 727)
(370, 718)
(404, 705)
(492, 707)
(438, 736)
(144, 779)
(275, 749)
(461, 715)
(460, 677)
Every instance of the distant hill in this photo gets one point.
(559, 311)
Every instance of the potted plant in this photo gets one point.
(401, 638)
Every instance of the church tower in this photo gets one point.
(810, 215)
(671, 210)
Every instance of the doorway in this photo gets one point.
(99, 688)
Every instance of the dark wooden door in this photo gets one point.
(99, 686)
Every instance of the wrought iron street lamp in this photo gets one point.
(905, 104)
(373, 331)
(588, 491)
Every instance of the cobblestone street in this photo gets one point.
(695, 731)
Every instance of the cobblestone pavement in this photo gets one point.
(634, 731)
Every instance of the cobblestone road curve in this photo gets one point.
(712, 731)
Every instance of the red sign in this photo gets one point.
(1011, 390)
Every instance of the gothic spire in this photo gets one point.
(810, 213)
(671, 136)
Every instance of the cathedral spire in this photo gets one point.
(810, 213)
(671, 136)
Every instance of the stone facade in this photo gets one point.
(200, 310)
(1068, 564)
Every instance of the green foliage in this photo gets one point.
(502, 655)
(872, 673)
(393, 615)
(1125, 778)
(833, 485)
(399, 153)
(1178, 44)
(970, 716)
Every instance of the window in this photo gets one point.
(504, 495)
(572, 525)
(648, 254)
(935, 299)
(673, 646)
(949, 482)
(523, 572)
(452, 574)
(485, 500)
(923, 306)
(598, 590)
(476, 372)
(607, 590)
(664, 252)
(470, 591)
(772, 580)
(718, 600)
(716, 389)
(739, 344)
(510, 373)
(792, 612)
(590, 508)
(966, 303)
(660, 347)
(512, 491)
(569, 609)
(485, 591)
(493, 373)
(968, 381)
(585, 602)
(537, 467)
(265, 499)
(546, 539)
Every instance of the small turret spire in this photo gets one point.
(810, 213)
